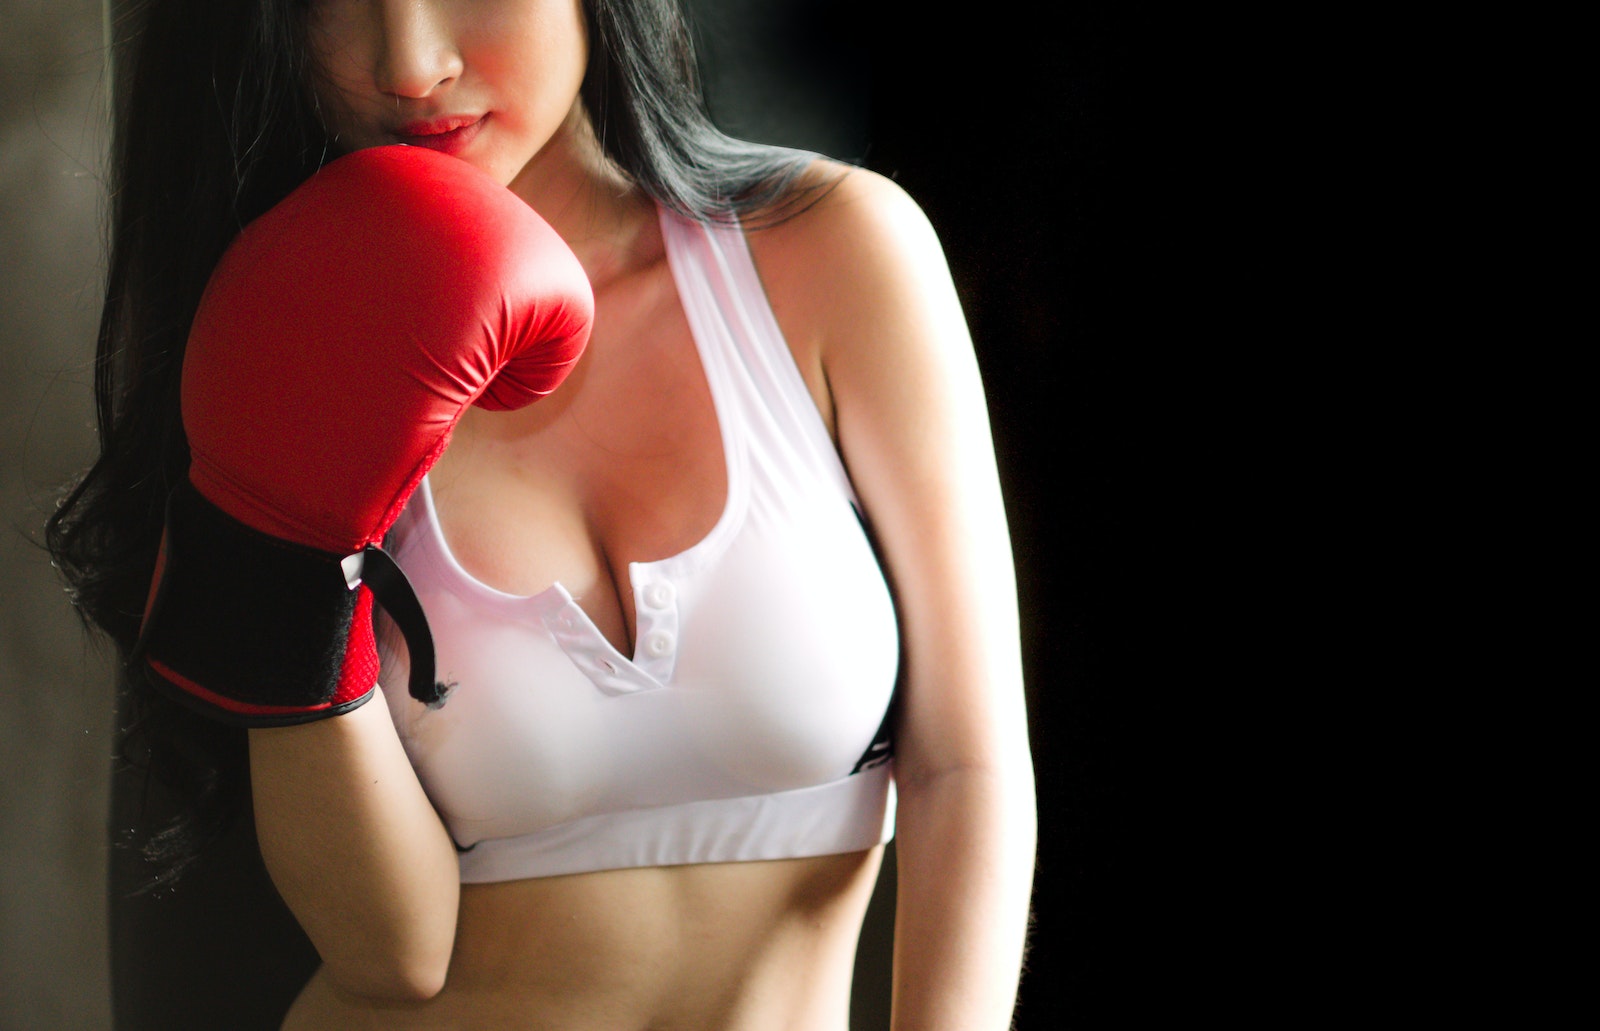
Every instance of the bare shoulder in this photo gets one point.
(857, 266)
(858, 235)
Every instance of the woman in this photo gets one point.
(586, 111)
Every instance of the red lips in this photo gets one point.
(450, 135)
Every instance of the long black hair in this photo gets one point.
(214, 125)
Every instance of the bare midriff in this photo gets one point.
(757, 946)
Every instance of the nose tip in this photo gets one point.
(418, 74)
(418, 54)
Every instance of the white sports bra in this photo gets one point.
(750, 722)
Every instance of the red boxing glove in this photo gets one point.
(338, 341)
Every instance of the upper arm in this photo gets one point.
(860, 282)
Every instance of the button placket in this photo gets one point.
(656, 609)
(590, 652)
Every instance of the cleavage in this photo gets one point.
(624, 463)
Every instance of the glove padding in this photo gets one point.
(337, 343)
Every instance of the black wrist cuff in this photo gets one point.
(254, 620)
(252, 629)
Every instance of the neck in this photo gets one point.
(607, 221)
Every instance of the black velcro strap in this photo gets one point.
(390, 588)
(245, 615)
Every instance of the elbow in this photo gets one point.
(412, 982)
(392, 980)
(393, 966)
(1002, 790)
(409, 986)
(1008, 776)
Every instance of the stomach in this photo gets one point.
(753, 946)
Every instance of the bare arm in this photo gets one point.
(892, 347)
(357, 851)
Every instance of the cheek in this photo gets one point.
(542, 48)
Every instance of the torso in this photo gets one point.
(623, 464)
(718, 947)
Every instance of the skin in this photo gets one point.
(624, 464)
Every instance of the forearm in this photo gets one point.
(965, 853)
(357, 851)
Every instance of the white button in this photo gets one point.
(565, 620)
(658, 595)
(658, 644)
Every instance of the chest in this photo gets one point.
(652, 592)
(624, 463)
